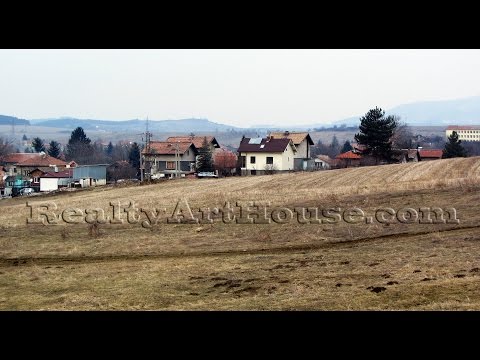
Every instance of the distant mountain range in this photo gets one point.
(9, 120)
(185, 125)
(464, 111)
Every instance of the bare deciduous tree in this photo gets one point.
(6, 146)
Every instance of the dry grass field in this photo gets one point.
(228, 266)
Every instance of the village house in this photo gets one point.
(260, 156)
(465, 133)
(9, 161)
(324, 162)
(430, 154)
(176, 156)
(24, 163)
(197, 141)
(406, 155)
(349, 159)
(169, 159)
(25, 169)
(303, 142)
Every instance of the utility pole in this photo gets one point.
(146, 148)
(177, 158)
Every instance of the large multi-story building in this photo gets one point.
(465, 133)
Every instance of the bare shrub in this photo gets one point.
(270, 169)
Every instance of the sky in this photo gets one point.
(231, 86)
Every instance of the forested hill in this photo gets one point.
(7, 120)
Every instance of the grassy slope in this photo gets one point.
(290, 266)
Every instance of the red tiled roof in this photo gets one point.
(273, 145)
(197, 141)
(17, 157)
(349, 155)
(60, 174)
(167, 147)
(460, 127)
(41, 160)
(431, 153)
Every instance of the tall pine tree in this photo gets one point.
(79, 147)
(134, 157)
(334, 144)
(453, 148)
(376, 131)
(205, 158)
(346, 147)
(38, 145)
(109, 150)
(54, 149)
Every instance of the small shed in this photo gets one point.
(90, 175)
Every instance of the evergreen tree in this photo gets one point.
(24, 137)
(78, 135)
(346, 147)
(54, 149)
(79, 147)
(109, 150)
(453, 147)
(205, 158)
(38, 145)
(334, 144)
(134, 157)
(376, 131)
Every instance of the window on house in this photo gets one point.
(252, 159)
(269, 160)
(36, 179)
(14, 170)
(253, 172)
(170, 165)
(25, 172)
